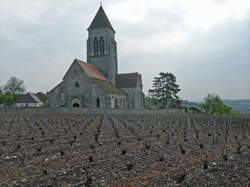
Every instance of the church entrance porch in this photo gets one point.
(75, 103)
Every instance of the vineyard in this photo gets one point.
(105, 149)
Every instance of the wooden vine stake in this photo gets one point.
(214, 140)
(83, 128)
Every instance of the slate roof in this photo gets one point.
(100, 21)
(127, 80)
(28, 98)
(92, 70)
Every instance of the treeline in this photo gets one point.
(212, 104)
(164, 95)
(8, 99)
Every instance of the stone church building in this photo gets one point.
(96, 83)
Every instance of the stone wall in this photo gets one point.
(135, 98)
(86, 93)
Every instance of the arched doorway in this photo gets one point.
(98, 102)
(75, 103)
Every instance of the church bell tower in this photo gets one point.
(101, 45)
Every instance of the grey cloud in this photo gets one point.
(220, 1)
(40, 52)
(215, 61)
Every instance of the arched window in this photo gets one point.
(116, 102)
(96, 46)
(101, 46)
(62, 99)
(98, 102)
(62, 96)
(124, 103)
(120, 103)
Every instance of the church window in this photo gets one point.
(124, 103)
(62, 96)
(96, 46)
(62, 99)
(98, 102)
(77, 84)
(120, 102)
(101, 46)
(116, 102)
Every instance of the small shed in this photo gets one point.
(28, 100)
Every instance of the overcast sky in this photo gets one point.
(205, 43)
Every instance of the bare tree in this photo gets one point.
(14, 86)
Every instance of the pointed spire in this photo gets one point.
(100, 21)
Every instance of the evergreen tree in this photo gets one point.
(165, 89)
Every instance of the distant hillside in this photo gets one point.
(189, 103)
(240, 103)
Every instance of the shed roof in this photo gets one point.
(127, 80)
(28, 98)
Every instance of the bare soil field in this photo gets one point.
(101, 149)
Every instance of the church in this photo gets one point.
(96, 83)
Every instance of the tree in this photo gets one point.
(9, 99)
(1, 90)
(2, 98)
(211, 103)
(14, 86)
(214, 105)
(165, 89)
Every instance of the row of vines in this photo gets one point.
(106, 149)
